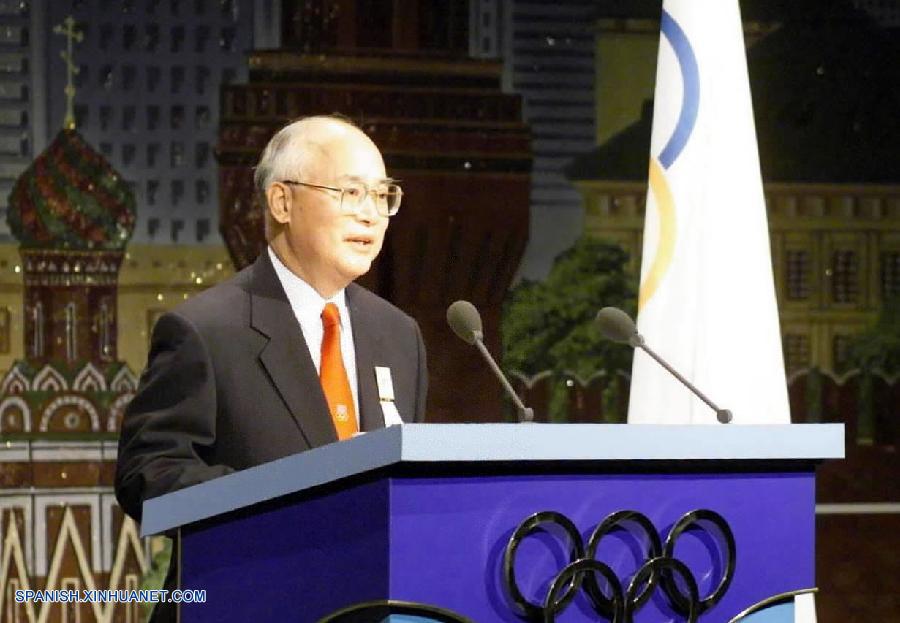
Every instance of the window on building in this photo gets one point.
(152, 154)
(129, 114)
(106, 115)
(13, 7)
(13, 62)
(128, 75)
(151, 37)
(177, 39)
(106, 36)
(20, 117)
(796, 352)
(798, 271)
(104, 327)
(201, 191)
(83, 75)
(177, 226)
(81, 116)
(5, 339)
(176, 154)
(177, 191)
(176, 79)
(175, 7)
(106, 149)
(199, 7)
(228, 75)
(201, 83)
(128, 151)
(201, 117)
(203, 229)
(13, 90)
(127, 6)
(11, 145)
(152, 117)
(201, 155)
(228, 8)
(845, 276)
(152, 189)
(890, 274)
(153, 76)
(152, 227)
(226, 39)
(13, 35)
(129, 36)
(152, 6)
(201, 38)
(841, 346)
(105, 77)
(176, 117)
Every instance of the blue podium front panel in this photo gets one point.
(449, 538)
(291, 560)
(442, 540)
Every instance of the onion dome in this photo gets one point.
(71, 198)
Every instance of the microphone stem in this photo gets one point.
(493, 364)
(675, 373)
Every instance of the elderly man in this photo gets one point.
(289, 354)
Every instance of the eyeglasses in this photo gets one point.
(353, 194)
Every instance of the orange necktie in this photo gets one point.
(333, 376)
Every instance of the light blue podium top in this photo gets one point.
(487, 443)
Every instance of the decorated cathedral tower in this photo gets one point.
(73, 216)
(61, 404)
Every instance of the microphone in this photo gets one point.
(618, 326)
(465, 321)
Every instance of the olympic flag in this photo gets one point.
(707, 298)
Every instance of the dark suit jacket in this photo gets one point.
(230, 384)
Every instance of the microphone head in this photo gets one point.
(616, 325)
(465, 321)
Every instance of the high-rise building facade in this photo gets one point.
(17, 69)
(147, 96)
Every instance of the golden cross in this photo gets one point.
(67, 28)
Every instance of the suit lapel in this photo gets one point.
(367, 343)
(286, 355)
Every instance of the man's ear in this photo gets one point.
(278, 200)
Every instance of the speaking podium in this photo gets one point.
(508, 522)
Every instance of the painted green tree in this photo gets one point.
(549, 325)
(878, 348)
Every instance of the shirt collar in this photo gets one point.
(306, 302)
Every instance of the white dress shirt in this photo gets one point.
(307, 305)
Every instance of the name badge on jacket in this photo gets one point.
(386, 396)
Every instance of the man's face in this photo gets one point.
(332, 247)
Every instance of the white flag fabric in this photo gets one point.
(707, 300)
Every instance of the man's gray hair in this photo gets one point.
(289, 152)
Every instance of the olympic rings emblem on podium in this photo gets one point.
(620, 602)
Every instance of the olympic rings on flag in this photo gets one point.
(619, 602)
